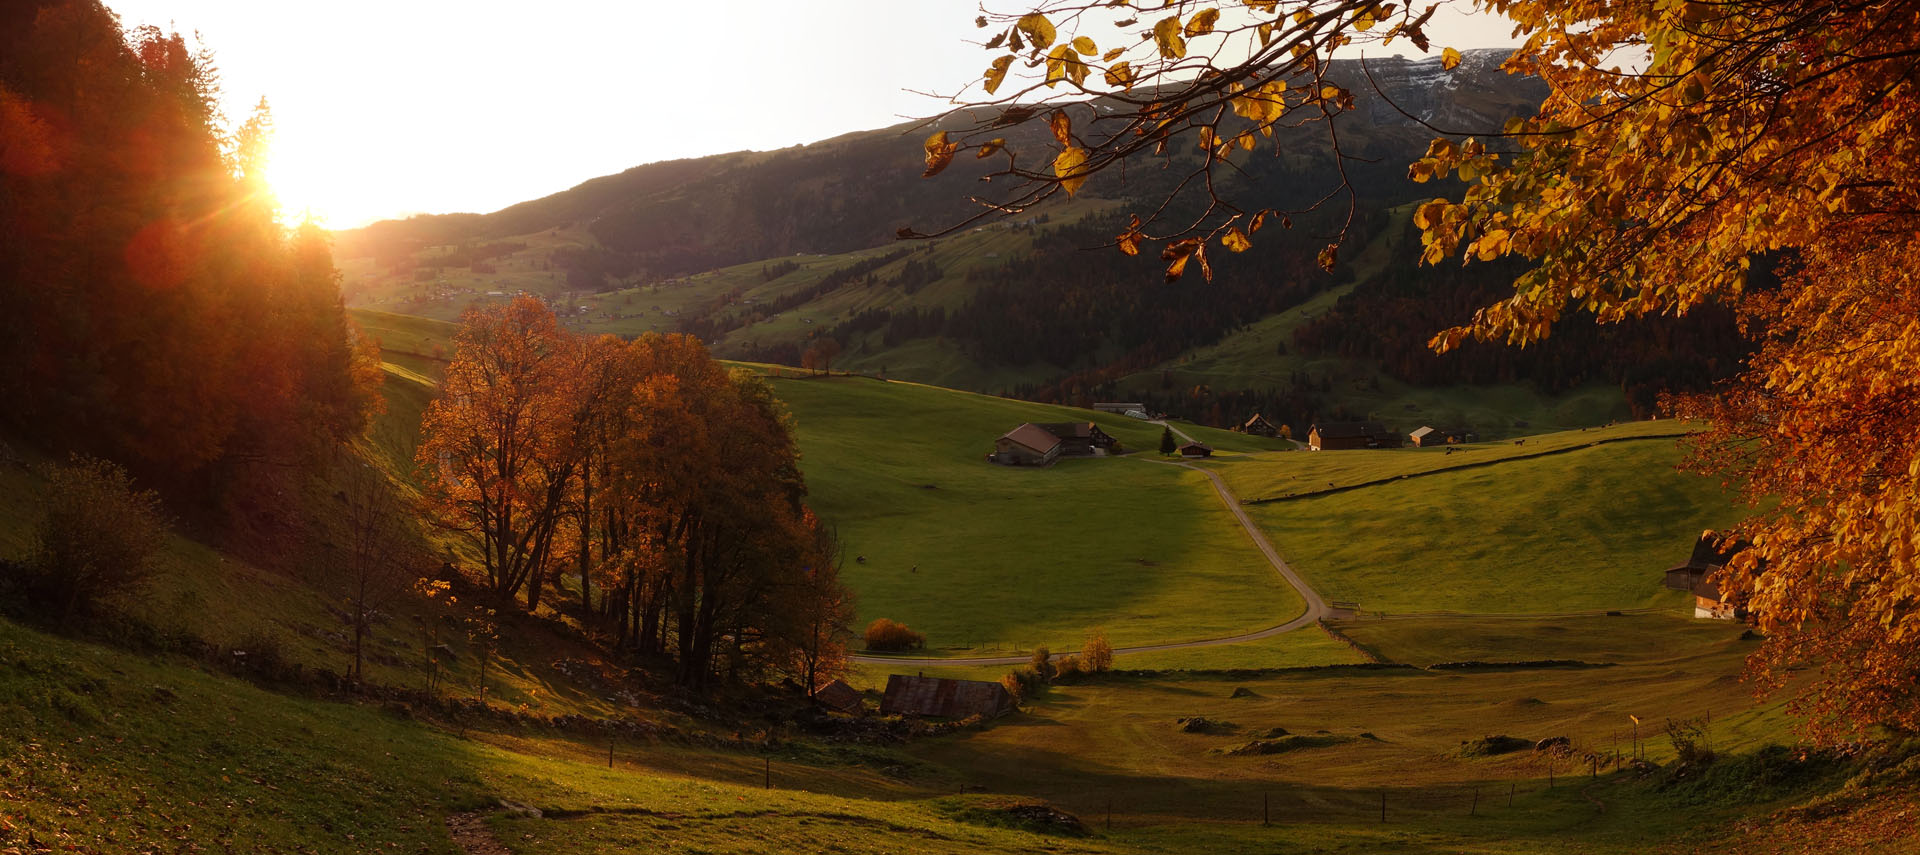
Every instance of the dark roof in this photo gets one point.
(1706, 554)
(1256, 419)
(837, 695)
(1067, 430)
(938, 696)
(1033, 436)
(1346, 429)
(1198, 446)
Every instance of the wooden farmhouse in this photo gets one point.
(1692, 576)
(1337, 436)
(1427, 437)
(1257, 425)
(1196, 449)
(1026, 445)
(944, 698)
(1079, 439)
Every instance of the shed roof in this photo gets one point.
(947, 698)
(1034, 437)
(837, 695)
(1067, 430)
(1196, 446)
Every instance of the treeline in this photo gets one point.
(666, 487)
(711, 321)
(156, 312)
(1391, 317)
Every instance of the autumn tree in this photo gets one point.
(819, 612)
(819, 356)
(1759, 155)
(500, 445)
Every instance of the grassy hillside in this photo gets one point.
(976, 554)
(1588, 529)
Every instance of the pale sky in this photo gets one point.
(384, 109)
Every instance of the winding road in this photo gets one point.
(1317, 607)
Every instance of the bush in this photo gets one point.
(884, 634)
(1068, 669)
(1042, 664)
(1011, 682)
(1096, 656)
(96, 541)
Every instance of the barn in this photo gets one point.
(1707, 559)
(1026, 445)
(1196, 449)
(1428, 436)
(1258, 425)
(1337, 436)
(944, 698)
(840, 697)
(1079, 439)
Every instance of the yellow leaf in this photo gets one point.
(939, 153)
(1113, 54)
(1121, 74)
(1062, 127)
(1236, 240)
(1038, 29)
(1449, 59)
(990, 146)
(1166, 34)
(1202, 22)
(1085, 46)
(997, 73)
(1363, 22)
(1069, 167)
(1261, 5)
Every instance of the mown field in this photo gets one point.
(1590, 529)
(978, 555)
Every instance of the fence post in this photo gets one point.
(610, 743)
(1510, 788)
(1266, 815)
(1475, 810)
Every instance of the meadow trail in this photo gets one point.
(1317, 608)
(471, 834)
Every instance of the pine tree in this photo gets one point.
(1167, 444)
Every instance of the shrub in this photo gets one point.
(1042, 664)
(1068, 669)
(1011, 682)
(1096, 656)
(96, 541)
(884, 634)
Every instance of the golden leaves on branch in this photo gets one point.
(997, 73)
(1070, 168)
(939, 153)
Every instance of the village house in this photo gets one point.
(1196, 449)
(1337, 436)
(1427, 437)
(1026, 445)
(944, 698)
(1258, 425)
(1707, 559)
(1079, 439)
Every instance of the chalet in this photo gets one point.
(1196, 449)
(937, 696)
(1026, 445)
(1336, 436)
(1427, 437)
(840, 697)
(1707, 559)
(1257, 425)
(1079, 439)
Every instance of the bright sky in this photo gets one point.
(384, 109)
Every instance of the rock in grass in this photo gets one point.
(1489, 746)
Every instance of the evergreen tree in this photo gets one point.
(1167, 444)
